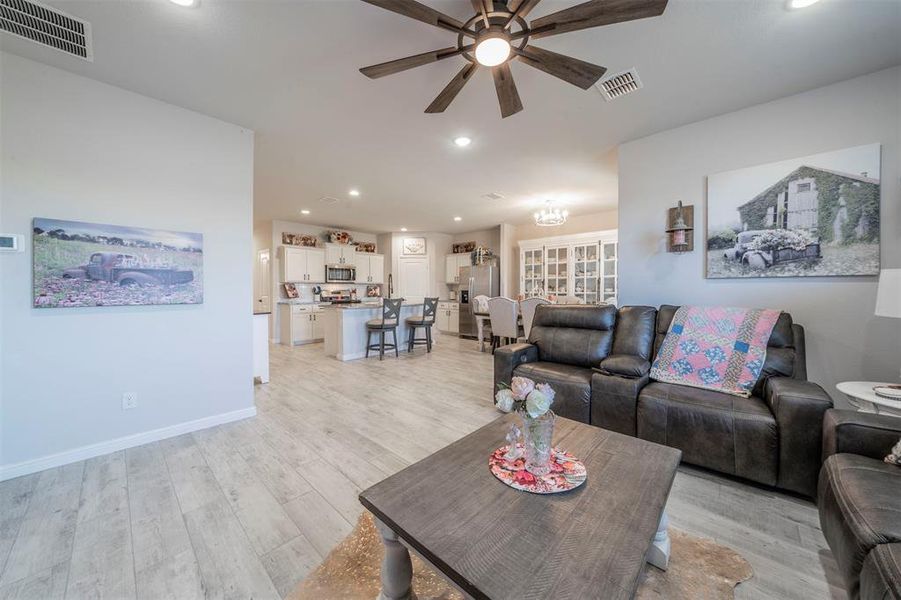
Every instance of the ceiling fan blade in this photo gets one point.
(597, 13)
(571, 70)
(507, 94)
(453, 88)
(483, 7)
(520, 8)
(402, 64)
(418, 11)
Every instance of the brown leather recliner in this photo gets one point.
(859, 500)
(773, 437)
(564, 344)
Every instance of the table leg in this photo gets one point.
(397, 569)
(658, 553)
(480, 326)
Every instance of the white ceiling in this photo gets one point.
(288, 70)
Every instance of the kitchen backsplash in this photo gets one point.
(305, 290)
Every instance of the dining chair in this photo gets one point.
(527, 308)
(483, 322)
(569, 300)
(480, 303)
(388, 322)
(504, 313)
(424, 321)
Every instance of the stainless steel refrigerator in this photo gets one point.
(479, 280)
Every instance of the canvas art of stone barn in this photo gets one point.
(838, 208)
(814, 222)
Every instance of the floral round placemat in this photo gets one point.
(567, 472)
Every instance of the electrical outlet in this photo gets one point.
(129, 400)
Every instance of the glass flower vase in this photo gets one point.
(538, 435)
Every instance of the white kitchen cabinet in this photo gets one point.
(317, 330)
(452, 265)
(299, 324)
(370, 268)
(376, 268)
(447, 319)
(453, 320)
(451, 272)
(339, 254)
(302, 265)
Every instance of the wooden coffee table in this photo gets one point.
(492, 541)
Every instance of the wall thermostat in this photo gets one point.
(10, 242)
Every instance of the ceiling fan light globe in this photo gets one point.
(493, 51)
(796, 4)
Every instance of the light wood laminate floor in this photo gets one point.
(245, 510)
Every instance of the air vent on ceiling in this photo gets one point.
(620, 84)
(329, 200)
(47, 26)
(493, 196)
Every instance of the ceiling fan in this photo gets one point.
(498, 33)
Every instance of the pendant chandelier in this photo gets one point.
(550, 216)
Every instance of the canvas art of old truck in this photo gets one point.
(78, 264)
(756, 250)
(126, 269)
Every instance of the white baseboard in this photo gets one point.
(129, 441)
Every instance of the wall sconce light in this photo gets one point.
(680, 229)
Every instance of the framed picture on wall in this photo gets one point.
(89, 264)
(813, 216)
(413, 246)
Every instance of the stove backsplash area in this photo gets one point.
(309, 292)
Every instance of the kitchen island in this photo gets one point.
(344, 328)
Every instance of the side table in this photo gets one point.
(862, 397)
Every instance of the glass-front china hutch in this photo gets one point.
(581, 265)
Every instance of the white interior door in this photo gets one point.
(262, 282)
(377, 268)
(413, 279)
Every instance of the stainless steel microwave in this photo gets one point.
(340, 273)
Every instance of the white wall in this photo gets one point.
(845, 341)
(76, 149)
(487, 238)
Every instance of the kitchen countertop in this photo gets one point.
(296, 301)
(292, 301)
(367, 306)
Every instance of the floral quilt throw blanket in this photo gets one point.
(715, 348)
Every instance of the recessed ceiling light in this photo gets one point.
(463, 141)
(801, 3)
(403, 228)
(186, 3)
(458, 219)
(304, 212)
(354, 193)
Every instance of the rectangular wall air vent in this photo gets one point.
(47, 26)
(618, 85)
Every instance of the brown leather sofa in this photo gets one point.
(859, 500)
(598, 358)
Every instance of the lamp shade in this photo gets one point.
(888, 299)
